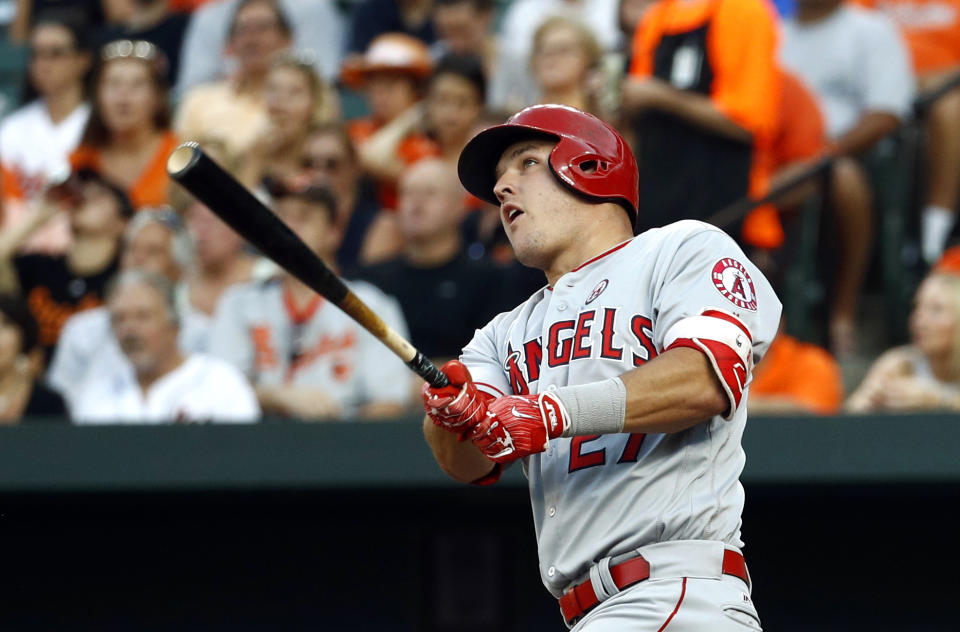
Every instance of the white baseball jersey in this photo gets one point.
(258, 330)
(602, 495)
(203, 388)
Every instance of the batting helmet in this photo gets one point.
(590, 157)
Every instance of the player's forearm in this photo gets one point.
(672, 392)
(460, 460)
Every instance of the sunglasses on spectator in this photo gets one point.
(322, 163)
(136, 49)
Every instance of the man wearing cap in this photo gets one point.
(305, 357)
(620, 386)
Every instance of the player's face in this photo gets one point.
(142, 326)
(933, 322)
(151, 249)
(542, 219)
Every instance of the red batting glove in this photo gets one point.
(458, 407)
(519, 425)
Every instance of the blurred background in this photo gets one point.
(824, 136)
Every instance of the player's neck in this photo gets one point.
(583, 250)
(432, 252)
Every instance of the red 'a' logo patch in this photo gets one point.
(732, 280)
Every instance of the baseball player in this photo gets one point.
(621, 386)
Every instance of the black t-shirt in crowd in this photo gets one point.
(443, 306)
(45, 404)
(167, 35)
(54, 293)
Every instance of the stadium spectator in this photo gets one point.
(454, 104)
(57, 286)
(28, 13)
(565, 54)
(318, 26)
(369, 233)
(22, 395)
(36, 140)
(445, 296)
(296, 100)
(795, 377)
(924, 375)
(856, 63)
(370, 19)
(156, 382)
(465, 28)
(220, 259)
(150, 20)
(157, 242)
(307, 358)
(232, 110)
(391, 74)
(128, 137)
(932, 32)
(701, 100)
(511, 85)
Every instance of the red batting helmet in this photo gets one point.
(590, 157)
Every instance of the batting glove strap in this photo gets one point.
(520, 425)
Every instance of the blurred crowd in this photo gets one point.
(125, 300)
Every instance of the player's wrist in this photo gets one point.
(594, 408)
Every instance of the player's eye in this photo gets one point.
(529, 161)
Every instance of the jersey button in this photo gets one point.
(551, 571)
(562, 306)
(552, 512)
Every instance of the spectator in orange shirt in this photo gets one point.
(931, 29)
(701, 97)
(795, 377)
(128, 137)
(799, 140)
(391, 75)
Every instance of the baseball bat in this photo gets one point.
(243, 212)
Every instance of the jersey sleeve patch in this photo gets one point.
(726, 342)
(732, 280)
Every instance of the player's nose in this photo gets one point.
(504, 188)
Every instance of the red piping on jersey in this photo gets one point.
(296, 315)
(683, 591)
(599, 256)
(602, 255)
(730, 319)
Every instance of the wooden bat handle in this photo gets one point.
(245, 214)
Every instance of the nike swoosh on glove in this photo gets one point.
(458, 407)
(519, 425)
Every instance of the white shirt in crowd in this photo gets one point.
(318, 26)
(855, 61)
(87, 346)
(201, 389)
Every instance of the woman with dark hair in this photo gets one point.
(455, 98)
(36, 140)
(128, 137)
(22, 395)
